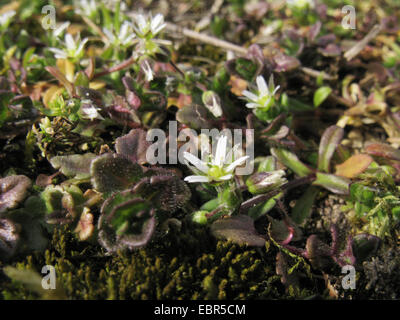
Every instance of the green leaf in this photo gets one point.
(321, 94)
(262, 209)
(332, 183)
(302, 210)
(291, 161)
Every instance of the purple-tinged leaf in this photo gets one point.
(13, 189)
(326, 39)
(126, 222)
(8, 239)
(239, 229)
(329, 142)
(365, 245)
(331, 50)
(314, 31)
(346, 257)
(168, 191)
(133, 146)
(284, 63)
(383, 150)
(74, 166)
(318, 252)
(284, 231)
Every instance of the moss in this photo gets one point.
(185, 265)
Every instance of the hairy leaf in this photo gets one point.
(133, 146)
(112, 173)
(13, 190)
(126, 222)
(239, 229)
(194, 116)
(74, 166)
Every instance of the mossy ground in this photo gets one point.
(185, 265)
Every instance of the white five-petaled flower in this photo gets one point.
(218, 168)
(149, 27)
(124, 36)
(264, 97)
(73, 48)
(5, 18)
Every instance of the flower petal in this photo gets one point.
(276, 89)
(252, 105)
(227, 177)
(201, 165)
(192, 179)
(220, 153)
(70, 42)
(236, 163)
(262, 85)
(250, 95)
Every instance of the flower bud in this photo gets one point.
(262, 182)
(200, 217)
(212, 102)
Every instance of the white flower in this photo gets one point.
(73, 48)
(264, 98)
(5, 18)
(124, 36)
(217, 168)
(86, 8)
(149, 26)
(147, 71)
(300, 4)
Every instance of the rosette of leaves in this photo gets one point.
(127, 221)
